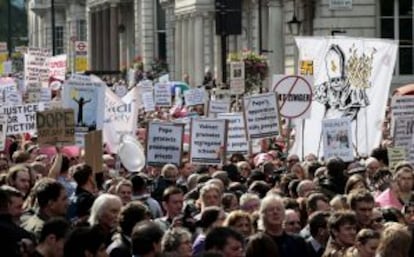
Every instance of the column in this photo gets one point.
(209, 34)
(177, 48)
(98, 40)
(114, 42)
(184, 47)
(255, 25)
(198, 50)
(217, 59)
(105, 38)
(92, 40)
(190, 55)
(137, 27)
(147, 33)
(275, 39)
(170, 38)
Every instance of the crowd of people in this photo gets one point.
(267, 204)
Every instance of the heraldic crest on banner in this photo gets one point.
(348, 77)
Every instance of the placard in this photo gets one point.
(395, 155)
(21, 118)
(57, 67)
(194, 96)
(208, 139)
(295, 95)
(337, 139)
(9, 93)
(148, 101)
(56, 126)
(3, 127)
(218, 106)
(237, 79)
(401, 107)
(87, 101)
(36, 65)
(162, 94)
(403, 132)
(164, 143)
(94, 150)
(261, 116)
(236, 133)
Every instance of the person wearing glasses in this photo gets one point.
(291, 224)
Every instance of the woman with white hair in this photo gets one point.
(272, 215)
(176, 242)
(104, 214)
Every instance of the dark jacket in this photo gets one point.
(120, 247)
(291, 245)
(11, 236)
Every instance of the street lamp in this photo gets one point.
(294, 24)
(52, 9)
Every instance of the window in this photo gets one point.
(161, 33)
(59, 40)
(81, 30)
(396, 21)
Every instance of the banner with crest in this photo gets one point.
(352, 78)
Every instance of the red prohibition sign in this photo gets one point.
(298, 82)
(81, 46)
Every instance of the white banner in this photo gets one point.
(208, 141)
(236, 135)
(36, 68)
(164, 143)
(148, 101)
(120, 117)
(21, 118)
(352, 78)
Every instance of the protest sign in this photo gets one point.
(337, 139)
(261, 116)
(295, 95)
(57, 67)
(121, 116)
(395, 155)
(21, 118)
(401, 106)
(9, 93)
(3, 127)
(148, 101)
(36, 65)
(194, 96)
(164, 143)
(56, 127)
(87, 101)
(208, 141)
(218, 106)
(7, 68)
(162, 94)
(94, 150)
(120, 89)
(237, 82)
(236, 133)
(403, 132)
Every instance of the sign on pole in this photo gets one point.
(218, 106)
(236, 135)
(261, 115)
(395, 155)
(81, 56)
(237, 79)
(56, 127)
(162, 94)
(57, 67)
(337, 139)
(194, 96)
(164, 143)
(208, 141)
(295, 95)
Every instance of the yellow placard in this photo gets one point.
(81, 63)
(306, 67)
